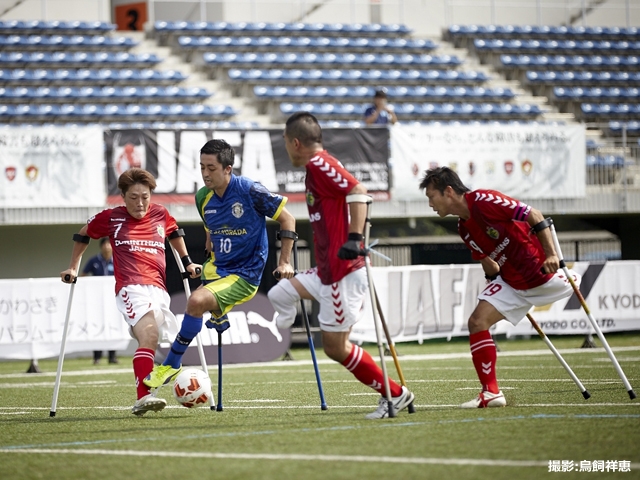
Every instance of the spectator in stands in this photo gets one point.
(99, 265)
(380, 113)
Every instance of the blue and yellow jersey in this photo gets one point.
(237, 226)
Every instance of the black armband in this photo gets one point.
(176, 234)
(491, 278)
(538, 227)
(186, 261)
(280, 234)
(81, 238)
(355, 236)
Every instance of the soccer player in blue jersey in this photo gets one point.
(234, 210)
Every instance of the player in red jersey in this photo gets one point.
(513, 243)
(339, 282)
(137, 233)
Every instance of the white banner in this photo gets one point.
(423, 302)
(32, 317)
(522, 161)
(52, 167)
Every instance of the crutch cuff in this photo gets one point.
(81, 238)
(176, 234)
(359, 198)
(358, 237)
(280, 234)
(538, 227)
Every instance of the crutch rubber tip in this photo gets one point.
(52, 413)
(632, 394)
(586, 395)
(323, 406)
(411, 408)
(217, 409)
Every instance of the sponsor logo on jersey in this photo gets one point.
(310, 199)
(117, 219)
(160, 230)
(229, 231)
(499, 249)
(237, 210)
(493, 233)
(213, 210)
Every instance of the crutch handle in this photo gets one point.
(277, 275)
(67, 278)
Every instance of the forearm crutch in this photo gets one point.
(63, 345)
(594, 324)
(219, 406)
(566, 366)
(305, 318)
(187, 290)
(392, 348)
(359, 198)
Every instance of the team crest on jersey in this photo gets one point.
(237, 210)
(527, 166)
(160, 230)
(310, 199)
(493, 233)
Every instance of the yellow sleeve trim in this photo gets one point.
(280, 208)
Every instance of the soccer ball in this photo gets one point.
(192, 388)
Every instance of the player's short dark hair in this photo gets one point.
(441, 178)
(304, 127)
(380, 94)
(133, 176)
(104, 240)
(218, 147)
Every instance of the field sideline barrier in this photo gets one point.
(419, 302)
(423, 302)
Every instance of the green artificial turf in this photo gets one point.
(272, 426)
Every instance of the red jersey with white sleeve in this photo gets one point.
(498, 229)
(138, 245)
(327, 185)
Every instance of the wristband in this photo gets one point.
(538, 227)
(355, 236)
(492, 277)
(186, 261)
(81, 238)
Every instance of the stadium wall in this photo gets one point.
(424, 18)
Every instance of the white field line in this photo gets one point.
(326, 361)
(313, 407)
(295, 457)
(602, 381)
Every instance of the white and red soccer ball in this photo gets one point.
(192, 388)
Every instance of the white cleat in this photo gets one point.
(148, 403)
(400, 402)
(486, 400)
